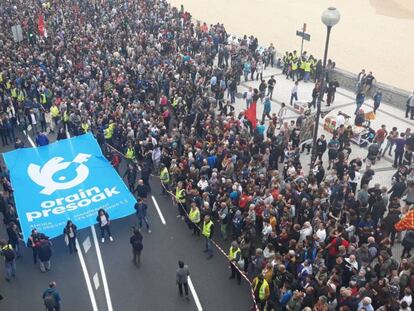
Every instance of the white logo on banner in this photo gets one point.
(43, 176)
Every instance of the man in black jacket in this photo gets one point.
(131, 175)
(45, 253)
(137, 246)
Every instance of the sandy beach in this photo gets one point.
(373, 34)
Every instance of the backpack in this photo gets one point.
(49, 301)
(9, 254)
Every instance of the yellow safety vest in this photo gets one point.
(130, 154)
(7, 247)
(43, 99)
(308, 66)
(294, 65)
(1, 77)
(14, 93)
(21, 96)
(302, 65)
(54, 111)
(194, 215)
(65, 116)
(109, 131)
(8, 85)
(262, 289)
(165, 176)
(174, 103)
(233, 252)
(85, 127)
(179, 195)
(207, 228)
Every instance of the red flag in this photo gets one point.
(250, 114)
(406, 223)
(41, 25)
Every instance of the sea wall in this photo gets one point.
(391, 95)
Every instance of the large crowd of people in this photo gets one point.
(158, 87)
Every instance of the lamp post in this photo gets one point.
(330, 17)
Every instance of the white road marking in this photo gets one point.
(102, 268)
(86, 244)
(86, 276)
(100, 261)
(158, 210)
(80, 256)
(29, 139)
(193, 292)
(96, 280)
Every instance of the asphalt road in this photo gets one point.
(149, 287)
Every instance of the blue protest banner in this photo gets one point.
(69, 179)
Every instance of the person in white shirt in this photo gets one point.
(249, 97)
(103, 221)
(321, 233)
(202, 183)
(294, 93)
(305, 231)
(408, 297)
(267, 229)
(282, 114)
(340, 119)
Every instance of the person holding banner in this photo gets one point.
(45, 253)
(103, 221)
(33, 243)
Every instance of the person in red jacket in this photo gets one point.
(333, 246)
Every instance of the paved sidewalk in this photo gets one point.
(345, 102)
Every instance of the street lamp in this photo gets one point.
(330, 17)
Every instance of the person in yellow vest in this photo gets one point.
(165, 179)
(9, 254)
(109, 131)
(307, 70)
(8, 85)
(65, 117)
(261, 291)
(208, 231)
(130, 153)
(20, 96)
(180, 200)
(13, 93)
(294, 69)
(295, 56)
(234, 257)
(194, 217)
(54, 113)
(43, 99)
(85, 126)
(302, 64)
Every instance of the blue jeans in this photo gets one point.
(358, 106)
(143, 219)
(232, 97)
(209, 248)
(10, 269)
(306, 76)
